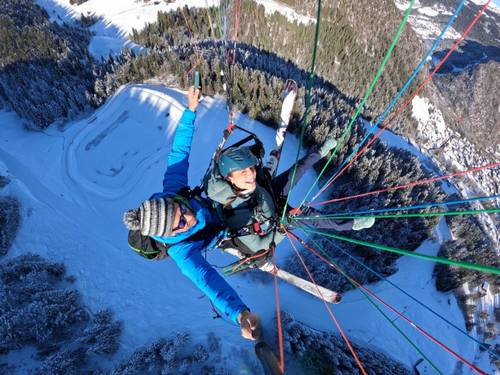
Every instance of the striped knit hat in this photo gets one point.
(155, 217)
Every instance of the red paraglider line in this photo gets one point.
(413, 324)
(422, 182)
(407, 102)
(328, 308)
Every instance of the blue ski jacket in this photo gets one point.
(187, 254)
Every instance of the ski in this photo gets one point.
(317, 291)
(289, 94)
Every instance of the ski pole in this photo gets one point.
(267, 358)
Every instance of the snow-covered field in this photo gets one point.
(75, 182)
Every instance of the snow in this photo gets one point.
(97, 167)
(424, 20)
(493, 6)
(404, 4)
(430, 120)
(76, 181)
(393, 140)
(272, 6)
(416, 277)
(434, 135)
(430, 29)
(94, 170)
(427, 21)
(124, 14)
(427, 11)
(118, 18)
(424, 112)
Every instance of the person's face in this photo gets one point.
(244, 179)
(184, 219)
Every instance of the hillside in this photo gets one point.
(95, 167)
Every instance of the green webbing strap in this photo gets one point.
(220, 20)
(307, 105)
(368, 92)
(342, 272)
(450, 262)
(210, 18)
(395, 216)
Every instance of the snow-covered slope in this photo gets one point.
(272, 6)
(457, 151)
(75, 183)
(118, 18)
(429, 16)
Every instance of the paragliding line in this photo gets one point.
(365, 266)
(385, 316)
(236, 27)
(348, 343)
(332, 264)
(450, 262)
(422, 182)
(403, 107)
(403, 89)
(422, 206)
(278, 317)
(210, 19)
(397, 216)
(307, 103)
(360, 106)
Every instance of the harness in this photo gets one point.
(260, 225)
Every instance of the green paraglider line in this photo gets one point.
(307, 104)
(367, 94)
(396, 216)
(450, 262)
(334, 318)
(415, 207)
(219, 16)
(342, 272)
(382, 278)
(427, 79)
(327, 260)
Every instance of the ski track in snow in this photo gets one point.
(73, 207)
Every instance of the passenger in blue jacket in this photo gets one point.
(187, 226)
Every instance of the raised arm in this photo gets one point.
(176, 176)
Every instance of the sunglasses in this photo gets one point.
(182, 219)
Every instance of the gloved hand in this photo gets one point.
(363, 223)
(250, 325)
(328, 146)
